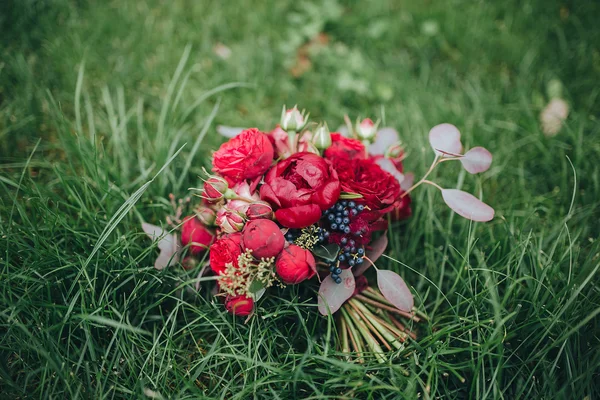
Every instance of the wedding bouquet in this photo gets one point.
(300, 204)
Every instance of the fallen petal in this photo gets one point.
(477, 160)
(445, 138)
(468, 206)
(395, 290)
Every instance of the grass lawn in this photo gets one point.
(97, 97)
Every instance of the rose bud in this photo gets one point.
(230, 221)
(240, 306)
(195, 234)
(215, 188)
(225, 250)
(295, 264)
(263, 237)
(206, 215)
(366, 129)
(259, 211)
(322, 137)
(292, 119)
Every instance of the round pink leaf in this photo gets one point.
(386, 137)
(332, 295)
(445, 138)
(468, 206)
(394, 289)
(477, 160)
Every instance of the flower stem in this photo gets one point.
(369, 339)
(292, 140)
(354, 336)
(345, 343)
(374, 321)
(367, 319)
(435, 162)
(387, 307)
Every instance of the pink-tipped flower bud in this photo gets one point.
(196, 235)
(215, 188)
(263, 237)
(366, 129)
(293, 119)
(206, 215)
(295, 265)
(322, 137)
(240, 306)
(259, 211)
(230, 221)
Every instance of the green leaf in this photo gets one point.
(349, 196)
(328, 253)
(256, 286)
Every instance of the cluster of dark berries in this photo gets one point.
(349, 253)
(335, 272)
(338, 217)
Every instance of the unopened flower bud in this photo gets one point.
(215, 188)
(259, 211)
(293, 119)
(322, 137)
(263, 238)
(295, 265)
(206, 215)
(239, 305)
(366, 129)
(196, 235)
(230, 221)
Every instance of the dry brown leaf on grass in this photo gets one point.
(553, 116)
(303, 62)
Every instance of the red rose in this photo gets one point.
(225, 250)
(379, 189)
(343, 147)
(263, 237)
(295, 264)
(195, 234)
(301, 187)
(246, 156)
(240, 306)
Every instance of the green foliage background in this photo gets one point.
(97, 97)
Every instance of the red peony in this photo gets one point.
(295, 265)
(246, 156)
(345, 148)
(380, 190)
(300, 188)
(263, 237)
(225, 250)
(240, 306)
(195, 234)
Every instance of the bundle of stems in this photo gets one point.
(368, 323)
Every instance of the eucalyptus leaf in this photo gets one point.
(350, 196)
(328, 253)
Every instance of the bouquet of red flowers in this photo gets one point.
(300, 203)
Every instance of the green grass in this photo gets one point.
(96, 100)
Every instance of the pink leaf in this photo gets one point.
(477, 160)
(409, 180)
(168, 244)
(468, 206)
(229, 131)
(332, 295)
(394, 289)
(377, 248)
(388, 166)
(386, 137)
(445, 138)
